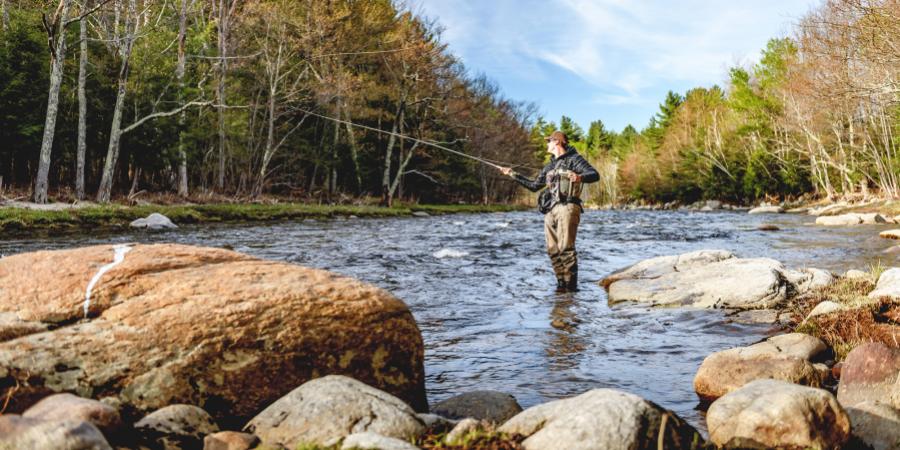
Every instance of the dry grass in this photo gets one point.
(477, 439)
(863, 320)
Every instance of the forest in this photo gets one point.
(106, 99)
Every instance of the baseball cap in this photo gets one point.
(558, 136)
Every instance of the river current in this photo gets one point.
(481, 289)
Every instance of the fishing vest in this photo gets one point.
(560, 189)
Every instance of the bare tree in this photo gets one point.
(82, 105)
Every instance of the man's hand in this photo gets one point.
(506, 171)
(574, 177)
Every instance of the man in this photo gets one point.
(561, 203)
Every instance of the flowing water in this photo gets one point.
(481, 289)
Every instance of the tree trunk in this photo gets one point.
(82, 109)
(354, 151)
(5, 14)
(179, 74)
(387, 193)
(115, 133)
(57, 62)
(220, 91)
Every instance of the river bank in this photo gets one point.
(22, 218)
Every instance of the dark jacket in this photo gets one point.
(572, 161)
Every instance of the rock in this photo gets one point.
(420, 214)
(768, 227)
(875, 424)
(11, 326)
(230, 440)
(872, 218)
(326, 410)
(706, 209)
(17, 432)
(841, 220)
(892, 250)
(458, 434)
(182, 324)
(890, 234)
(714, 204)
(491, 406)
(888, 284)
(870, 373)
(368, 440)
(601, 418)
(66, 406)
(777, 414)
(155, 221)
(854, 274)
(827, 209)
(436, 422)
(175, 427)
(766, 210)
(824, 308)
(755, 316)
(785, 357)
(798, 210)
(711, 279)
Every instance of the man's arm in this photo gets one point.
(532, 185)
(584, 169)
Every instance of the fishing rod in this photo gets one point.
(410, 138)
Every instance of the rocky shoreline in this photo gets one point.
(177, 346)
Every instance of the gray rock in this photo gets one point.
(876, 425)
(711, 279)
(458, 434)
(714, 204)
(872, 218)
(420, 214)
(12, 326)
(436, 422)
(175, 427)
(890, 234)
(601, 419)
(325, 410)
(768, 227)
(888, 284)
(854, 274)
(766, 210)
(368, 440)
(777, 414)
(60, 407)
(491, 406)
(155, 221)
(229, 440)
(787, 357)
(841, 220)
(822, 210)
(19, 433)
(824, 308)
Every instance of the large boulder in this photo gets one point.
(711, 279)
(888, 284)
(875, 424)
(71, 407)
(871, 372)
(787, 357)
(777, 414)
(491, 406)
(154, 325)
(19, 433)
(841, 220)
(155, 221)
(326, 410)
(602, 418)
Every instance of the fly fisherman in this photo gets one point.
(561, 204)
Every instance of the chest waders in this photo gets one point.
(561, 226)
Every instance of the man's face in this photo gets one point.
(551, 146)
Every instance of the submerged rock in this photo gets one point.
(202, 326)
(155, 221)
(777, 414)
(787, 357)
(491, 406)
(19, 433)
(326, 410)
(176, 427)
(602, 418)
(711, 279)
(871, 372)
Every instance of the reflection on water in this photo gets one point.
(481, 289)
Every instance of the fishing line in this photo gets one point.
(410, 138)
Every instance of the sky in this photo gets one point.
(612, 60)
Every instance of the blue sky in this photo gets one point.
(612, 60)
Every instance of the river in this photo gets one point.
(481, 290)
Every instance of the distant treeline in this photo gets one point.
(817, 114)
(103, 98)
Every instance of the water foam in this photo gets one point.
(119, 255)
(449, 253)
